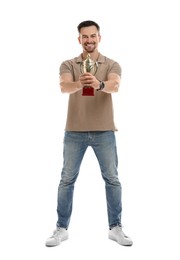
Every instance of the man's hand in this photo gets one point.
(88, 80)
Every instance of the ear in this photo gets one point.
(79, 39)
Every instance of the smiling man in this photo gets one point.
(90, 122)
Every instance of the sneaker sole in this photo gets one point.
(113, 239)
(65, 238)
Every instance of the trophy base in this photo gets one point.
(88, 91)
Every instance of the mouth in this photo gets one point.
(90, 45)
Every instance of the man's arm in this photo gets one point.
(67, 85)
(112, 84)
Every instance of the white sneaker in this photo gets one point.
(59, 235)
(118, 235)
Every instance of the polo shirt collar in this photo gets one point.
(101, 59)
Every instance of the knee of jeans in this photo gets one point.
(68, 179)
(115, 182)
(112, 180)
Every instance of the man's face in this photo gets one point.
(89, 38)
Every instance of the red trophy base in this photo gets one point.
(88, 91)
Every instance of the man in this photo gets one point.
(89, 123)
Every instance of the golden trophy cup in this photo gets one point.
(90, 66)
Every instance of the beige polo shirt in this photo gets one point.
(90, 113)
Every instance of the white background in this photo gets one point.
(36, 36)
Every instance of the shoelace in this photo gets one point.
(120, 228)
(56, 233)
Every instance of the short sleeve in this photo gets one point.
(65, 67)
(115, 68)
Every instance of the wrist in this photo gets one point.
(101, 85)
(79, 85)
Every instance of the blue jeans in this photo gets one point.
(103, 144)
